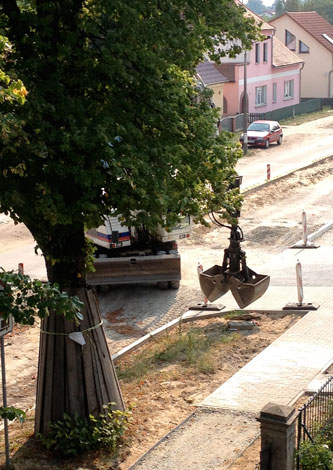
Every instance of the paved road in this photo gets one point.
(302, 145)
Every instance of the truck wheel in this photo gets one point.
(163, 285)
(174, 284)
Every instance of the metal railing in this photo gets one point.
(315, 416)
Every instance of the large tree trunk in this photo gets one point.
(74, 378)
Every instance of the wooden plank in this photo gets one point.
(75, 396)
(94, 339)
(88, 365)
(46, 364)
(109, 376)
(58, 397)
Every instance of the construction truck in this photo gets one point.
(132, 255)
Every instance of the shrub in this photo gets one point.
(73, 434)
(315, 456)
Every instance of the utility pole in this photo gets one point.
(245, 105)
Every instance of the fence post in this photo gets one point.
(233, 124)
(278, 433)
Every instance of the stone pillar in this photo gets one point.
(278, 432)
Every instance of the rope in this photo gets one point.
(67, 334)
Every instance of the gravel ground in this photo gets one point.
(196, 443)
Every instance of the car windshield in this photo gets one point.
(258, 126)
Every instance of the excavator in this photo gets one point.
(245, 285)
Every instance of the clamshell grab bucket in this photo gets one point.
(247, 292)
(214, 283)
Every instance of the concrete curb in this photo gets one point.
(191, 316)
(321, 231)
(256, 187)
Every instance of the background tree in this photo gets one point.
(323, 7)
(292, 5)
(256, 6)
(279, 7)
(112, 123)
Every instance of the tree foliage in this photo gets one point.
(24, 299)
(282, 6)
(112, 122)
(256, 6)
(323, 7)
(292, 5)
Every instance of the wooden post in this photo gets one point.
(73, 378)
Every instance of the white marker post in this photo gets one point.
(268, 171)
(299, 281)
(200, 270)
(300, 305)
(304, 243)
(305, 229)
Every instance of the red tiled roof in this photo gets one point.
(227, 69)
(282, 56)
(315, 25)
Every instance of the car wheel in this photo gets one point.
(267, 144)
(279, 141)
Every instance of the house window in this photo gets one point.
(261, 93)
(265, 52)
(257, 53)
(290, 40)
(289, 89)
(303, 48)
(274, 92)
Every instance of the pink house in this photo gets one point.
(272, 76)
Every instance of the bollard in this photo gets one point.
(305, 229)
(304, 243)
(21, 268)
(268, 171)
(299, 281)
(199, 270)
(300, 305)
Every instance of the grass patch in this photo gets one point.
(297, 120)
(235, 313)
(192, 349)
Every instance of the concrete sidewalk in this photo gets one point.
(283, 370)
(280, 373)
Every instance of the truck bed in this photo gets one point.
(135, 269)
